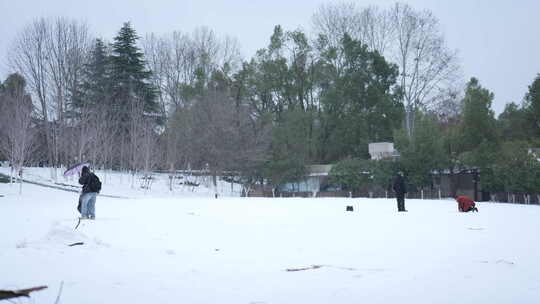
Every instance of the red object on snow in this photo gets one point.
(465, 204)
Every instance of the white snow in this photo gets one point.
(126, 185)
(156, 247)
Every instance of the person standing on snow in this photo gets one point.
(465, 204)
(400, 189)
(91, 187)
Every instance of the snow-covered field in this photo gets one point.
(162, 248)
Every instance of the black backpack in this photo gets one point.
(95, 184)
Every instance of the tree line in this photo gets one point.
(462, 135)
(190, 100)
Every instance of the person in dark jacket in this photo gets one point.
(465, 204)
(400, 189)
(90, 189)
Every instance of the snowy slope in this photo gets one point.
(237, 250)
(123, 184)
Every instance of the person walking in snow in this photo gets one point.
(465, 204)
(400, 189)
(91, 187)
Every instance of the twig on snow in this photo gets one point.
(10, 294)
(304, 268)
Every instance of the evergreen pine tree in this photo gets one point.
(95, 87)
(359, 99)
(129, 77)
(478, 138)
(478, 124)
(513, 123)
(532, 100)
(423, 152)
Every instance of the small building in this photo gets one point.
(381, 150)
(315, 177)
(535, 152)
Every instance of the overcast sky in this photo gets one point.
(498, 40)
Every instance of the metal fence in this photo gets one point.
(500, 197)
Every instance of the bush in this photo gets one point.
(352, 173)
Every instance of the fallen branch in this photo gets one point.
(75, 244)
(10, 294)
(304, 268)
(320, 266)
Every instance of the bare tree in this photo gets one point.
(213, 133)
(50, 54)
(377, 29)
(252, 138)
(371, 25)
(148, 145)
(181, 61)
(182, 66)
(330, 24)
(157, 59)
(426, 64)
(105, 125)
(86, 134)
(178, 59)
(337, 19)
(16, 134)
(67, 46)
(447, 105)
(178, 137)
(28, 57)
(410, 38)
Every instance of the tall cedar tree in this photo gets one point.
(130, 78)
(478, 124)
(514, 124)
(533, 106)
(95, 87)
(478, 139)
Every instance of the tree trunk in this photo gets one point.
(20, 184)
(453, 183)
(214, 182)
(133, 179)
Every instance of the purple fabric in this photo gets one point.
(75, 168)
